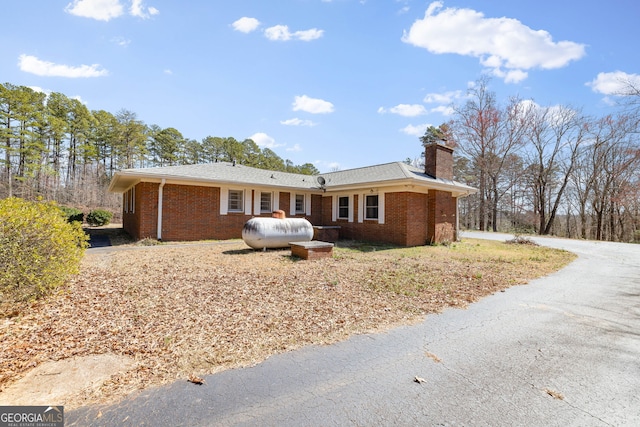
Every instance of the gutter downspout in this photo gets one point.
(159, 232)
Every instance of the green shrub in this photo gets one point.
(39, 249)
(72, 214)
(99, 217)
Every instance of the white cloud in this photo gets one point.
(79, 98)
(445, 110)
(297, 122)
(264, 140)
(246, 24)
(102, 10)
(282, 33)
(614, 83)
(105, 10)
(504, 45)
(510, 76)
(312, 105)
(40, 90)
(404, 8)
(141, 11)
(47, 92)
(406, 110)
(308, 35)
(121, 41)
(443, 98)
(417, 130)
(33, 65)
(295, 148)
(278, 33)
(168, 71)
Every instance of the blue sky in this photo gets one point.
(340, 83)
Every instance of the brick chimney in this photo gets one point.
(438, 161)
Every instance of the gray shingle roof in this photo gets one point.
(222, 172)
(380, 173)
(229, 174)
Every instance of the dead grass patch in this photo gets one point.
(182, 310)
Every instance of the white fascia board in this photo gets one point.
(404, 185)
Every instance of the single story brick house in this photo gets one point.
(392, 203)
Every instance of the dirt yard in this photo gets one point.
(173, 311)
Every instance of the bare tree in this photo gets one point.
(555, 136)
(489, 134)
(477, 127)
(614, 157)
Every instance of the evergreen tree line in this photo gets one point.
(54, 147)
(547, 170)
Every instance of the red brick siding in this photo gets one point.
(142, 222)
(416, 219)
(189, 213)
(441, 217)
(285, 203)
(193, 213)
(404, 223)
(438, 161)
(316, 210)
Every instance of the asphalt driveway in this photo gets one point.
(561, 351)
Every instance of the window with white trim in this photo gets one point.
(236, 200)
(265, 202)
(300, 208)
(343, 207)
(371, 206)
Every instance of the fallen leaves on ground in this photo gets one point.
(179, 309)
(196, 380)
(554, 394)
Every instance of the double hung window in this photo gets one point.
(236, 199)
(343, 207)
(371, 207)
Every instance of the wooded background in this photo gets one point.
(546, 170)
(54, 147)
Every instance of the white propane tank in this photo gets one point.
(261, 232)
